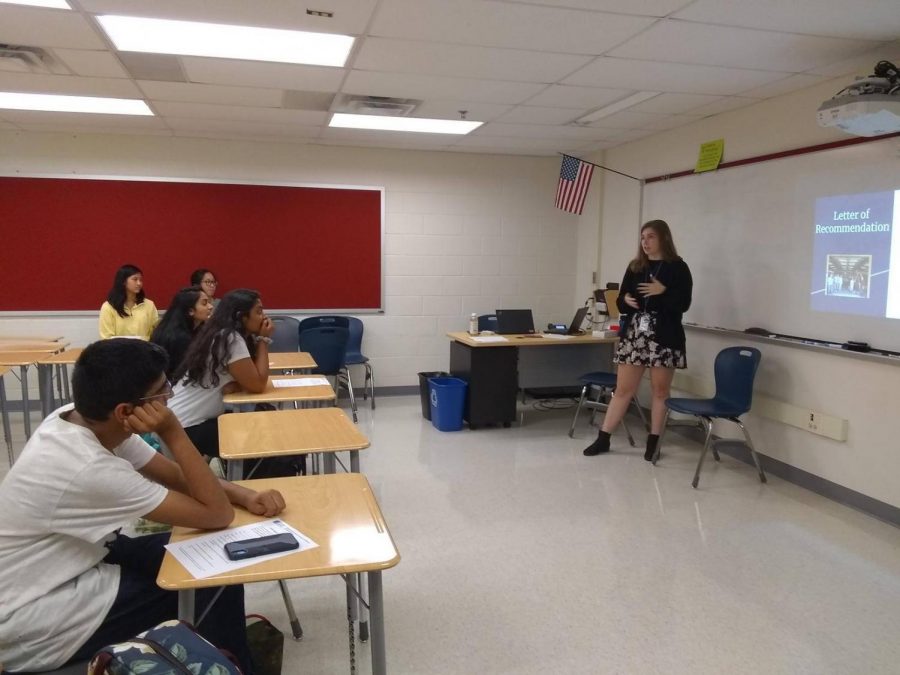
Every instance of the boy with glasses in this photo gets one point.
(69, 583)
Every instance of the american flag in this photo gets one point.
(574, 181)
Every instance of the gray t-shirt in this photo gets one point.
(193, 403)
(62, 500)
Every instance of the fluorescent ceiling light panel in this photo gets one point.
(193, 38)
(53, 4)
(78, 104)
(617, 106)
(413, 124)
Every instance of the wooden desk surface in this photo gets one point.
(66, 358)
(531, 340)
(291, 361)
(337, 511)
(272, 394)
(21, 358)
(32, 346)
(272, 433)
(31, 338)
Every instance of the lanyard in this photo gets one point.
(652, 275)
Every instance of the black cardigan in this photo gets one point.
(669, 306)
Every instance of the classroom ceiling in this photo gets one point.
(527, 68)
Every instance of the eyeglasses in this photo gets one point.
(209, 282)
(166, 393)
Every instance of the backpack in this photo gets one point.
(171, 648)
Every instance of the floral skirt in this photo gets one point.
(640, 348)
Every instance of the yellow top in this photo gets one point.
(139, 322)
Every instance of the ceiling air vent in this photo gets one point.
(375, 105)
(21, 59)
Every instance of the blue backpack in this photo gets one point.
(171, 648)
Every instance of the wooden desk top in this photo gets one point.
(531, 340)
(32, 346)
(273, 394)
(66, 358)
(287, 432)
(291, 361)
(23, 358)
(30, 338)
(337, 511)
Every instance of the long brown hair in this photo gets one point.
(666, 244)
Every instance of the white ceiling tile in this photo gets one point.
(785, 86)
(69, 84)
(259, 74)
(31, 118)
(671, 77)
(629, 119)
(369, 83)
(91, 63)
(241, 113)
(864, 19)
(502, 24)
(527, 114)
(703, 44)
(861, 65)
(211, 93)
(671, 104)
(724, 104)
(47, 28)
(511, 144)
(350, 16)
(579, 98)
(541, 131)
(449, 110)
(641, 7)
(403, 56)
(192, 124)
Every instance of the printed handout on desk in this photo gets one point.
(489, 338)
(301, 382)
(204, 556)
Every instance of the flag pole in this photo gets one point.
(605, 168)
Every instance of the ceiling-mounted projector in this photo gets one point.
(868, 107)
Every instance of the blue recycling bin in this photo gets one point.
(448, 399)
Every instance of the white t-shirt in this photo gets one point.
(193, 403)
(62, 500)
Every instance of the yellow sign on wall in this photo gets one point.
(710, 155)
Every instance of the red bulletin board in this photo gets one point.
(302, 248)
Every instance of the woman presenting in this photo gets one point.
(127, 312)
(655, 292)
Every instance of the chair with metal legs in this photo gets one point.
(603, 383)
(328, 347)
(355, 357)
(735, 371)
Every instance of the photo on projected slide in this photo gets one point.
(852, 242)
(848, 275)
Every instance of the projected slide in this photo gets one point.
(855, 245)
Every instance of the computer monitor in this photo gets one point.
(514, 321)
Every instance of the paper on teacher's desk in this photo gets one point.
(204, 556)
(489, 338)
(300, 382)
(556, 336)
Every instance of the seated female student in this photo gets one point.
(127, 312)
(229, 353)
(190, 309)
(69, 583)
(205, 279)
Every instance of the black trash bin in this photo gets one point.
(424, 392)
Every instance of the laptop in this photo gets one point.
(574, 327)
(514, 321)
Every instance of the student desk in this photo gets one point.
(61, 361)
(495, 371)
(338, 512)
(291, 361)
(23, 354)
(7, 432)
(276, 433)
(318, 394)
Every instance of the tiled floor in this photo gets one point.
(519, 555)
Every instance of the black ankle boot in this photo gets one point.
(652, 443)
(599, 446)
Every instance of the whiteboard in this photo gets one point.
(747, 235)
